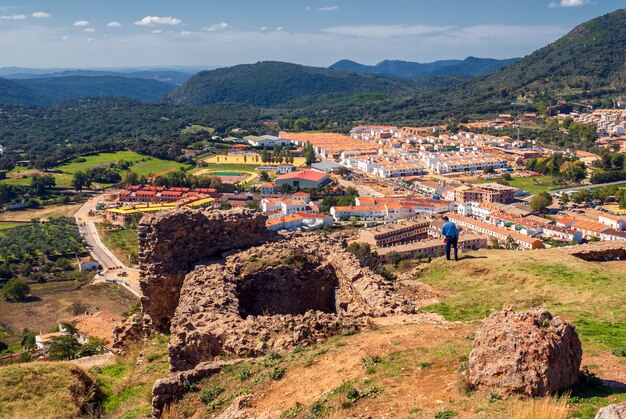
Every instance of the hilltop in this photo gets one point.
(413, 368)
(273, 83)
(586, 63)
(471, 66)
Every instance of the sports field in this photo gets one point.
(223, 159)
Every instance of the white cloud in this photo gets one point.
(81, 23)
(157, 31)
(185, 33)
(385, 31)
(569, 3)
(279, 28)
(65, 38)
(90, 30)
(114, 24)
(322, 9)
(91, 39)
(216, 27)
(263, 28)
(156, 20)
(41, 15)
(13, 17)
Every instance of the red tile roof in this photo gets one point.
(311, 175)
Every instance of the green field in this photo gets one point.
(221, 168)
(9, 225)
(531, 184)
(142, 165)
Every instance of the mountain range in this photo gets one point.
(471, 66)
(586, 63)
(48, 90)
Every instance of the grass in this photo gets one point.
(531, 184)
(545, 408)
(46, 390)
(142, 165)
(475, 288)
(123, 242)
(9, 225)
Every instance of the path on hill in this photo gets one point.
(113, 268)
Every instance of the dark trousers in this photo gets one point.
(452, 241)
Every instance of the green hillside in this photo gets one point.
(588, 62)
(272, 83)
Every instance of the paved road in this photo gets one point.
(112, 266)
(580, 188)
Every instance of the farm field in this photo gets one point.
(227, 160)
(41, 213)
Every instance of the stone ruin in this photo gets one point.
(603, 251)
(530, 353)
(226, 286)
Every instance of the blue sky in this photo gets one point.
(130, 33)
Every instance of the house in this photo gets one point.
(44, 340)
(613, 221)
(377, 212)
(269, 188)
(589, 228)
(303, 179)
(328, 167)
(499, 233)
(398, 233)
(562, 233)
(88, 264)
(434, 247)
(299, 221)
(612, 235)
(285, 168)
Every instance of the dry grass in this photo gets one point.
(46, 390)
(545, 408)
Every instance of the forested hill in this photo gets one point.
(272, 83)
(588, 62)
(471, 66)
(49, 90)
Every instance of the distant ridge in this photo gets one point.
(471, 66)
(271, 83)
(49, 90)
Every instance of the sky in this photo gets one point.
(200, 33)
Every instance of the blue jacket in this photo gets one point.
(449, 229)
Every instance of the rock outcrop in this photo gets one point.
(612, 411)
(529, 353)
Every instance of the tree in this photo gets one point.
(540, 201)
(64, 347)
(80, 180)
(40, 185)
(28, 339)
(15, 289)
(394, 257)
(264, 157)
(309, 154)
(131, 178)
(489, 170)
(264, 177)
(3, 347)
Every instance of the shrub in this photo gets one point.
(620, 351)
(277, 373)
(446, 414)
(210, 394)
(244, 373)
(3, 347)
(15, 289)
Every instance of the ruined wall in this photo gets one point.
(171, 243)
(296, 291)
(600, 251)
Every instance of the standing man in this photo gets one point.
(451, 233)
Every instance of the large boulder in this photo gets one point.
(612, 411)
(530, 353)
